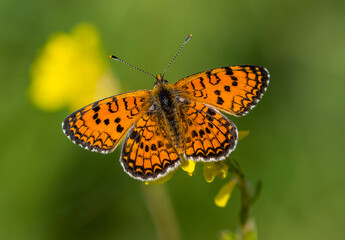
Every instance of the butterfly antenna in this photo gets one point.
(118, 59)
(184, 43)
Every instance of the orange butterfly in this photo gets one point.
(170, 122)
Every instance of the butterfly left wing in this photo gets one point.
(147, 153)
(100, 126)
(233, 89)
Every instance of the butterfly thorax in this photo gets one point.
(165, 106)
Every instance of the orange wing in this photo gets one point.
(209, 136)
(234, 89)
(101, 125)
(147, 153)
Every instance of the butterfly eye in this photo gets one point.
(154, 107)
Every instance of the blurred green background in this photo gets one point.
(53, 189)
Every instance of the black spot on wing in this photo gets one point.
(228, 71)
(117, 120)
(220, 101)
(119, 128)
(96, 108)
(217, 92)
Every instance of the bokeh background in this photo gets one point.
(53, 189)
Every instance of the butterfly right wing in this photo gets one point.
(100, 126)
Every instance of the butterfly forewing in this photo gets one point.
(100, 126)
(234, 89)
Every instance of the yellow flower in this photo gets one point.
(71, 70)
(188, 166)
(224, 193)
(213, 169)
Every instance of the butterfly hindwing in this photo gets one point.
(147, 153)
(209, 136)
(234, 89)
(100, 126)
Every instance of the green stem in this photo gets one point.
(245, 199)
(161, 210)
(245, 195)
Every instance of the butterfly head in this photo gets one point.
(160, 80)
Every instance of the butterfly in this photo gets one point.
(172, 122)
